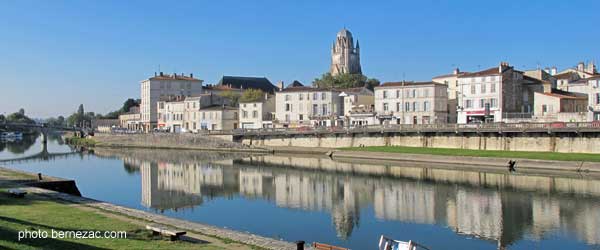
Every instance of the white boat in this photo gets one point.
(386, 243)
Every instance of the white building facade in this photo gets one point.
(411, 103)
(160, 86)
(307, 106)
(257, 114)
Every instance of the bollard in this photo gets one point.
(40, 176)
(300, 245)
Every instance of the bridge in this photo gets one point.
(44, 129)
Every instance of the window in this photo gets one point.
(473, 89)
(244, 105)
(300, 97)
(482, 103)
(300, 117)
(385, 107)
(469, 103)
(287, 98)
(407, 106)
(398, 107)
(385, 94)
(287, 117)
(288, 107)
(398, 93)
(244, 114)
(416, 106)
(493, 88)
(425, 106)
(414, 93)
(493, 103)
(483, 88)
(315, 109)
(323, 96)
(544, 108)
(254, 105)
(324, 109)
(597, 98)
(315, 96)
(254, 114)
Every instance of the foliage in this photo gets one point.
(483, 153)
(345, 81)
(252, 95)
(19, 117)
(57, 122)
(79, 118)
(78, 141)
(124, 109)
(233, 96)
(2, 118)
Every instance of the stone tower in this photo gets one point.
(345, 58)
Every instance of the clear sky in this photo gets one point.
(55, 55)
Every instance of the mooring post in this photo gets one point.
(40, 176)
(300, 245)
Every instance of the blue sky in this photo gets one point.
(58, 54)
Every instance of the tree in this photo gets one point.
(128, 104)
(252, 95)
(234, 97)
(2, 118)
(22, 111)
(345, 81)
(19, 117)
(80, 110)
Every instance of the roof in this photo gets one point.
(487, 72)
(242, 82)
(407, 84)
(357, 90)
(173, 77)
(566, 75)
(296, 83)
(449, 75)
(218, 107)
(565, 95)
(306, 89)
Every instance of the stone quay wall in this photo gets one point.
(542, 142)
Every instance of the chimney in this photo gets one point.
(456, 71)
(280, 85)
(191, 75)
(553, 70)
(154, 73)
(503, 65)
(580, 66)
(591, 68)
(161, 73)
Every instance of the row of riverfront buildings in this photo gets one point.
(178, 102)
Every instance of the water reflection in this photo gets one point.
(498, 207)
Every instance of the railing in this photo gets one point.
(484, 127)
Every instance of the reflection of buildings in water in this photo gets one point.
(407, 201)
(423, 196)
(479, 213)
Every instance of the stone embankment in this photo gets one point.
(173, 141)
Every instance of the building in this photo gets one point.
(358, 106)
(451, 80)
(594, 98)
(298, 105)
(497, 94)
(218, 117)
(240, 83)
(131, 119)
(582, 70)
(558, 105)
(161, 86)
(182, 114)
(411, 103)
(104, 125)
(362, 116)
(257, 114)
(345, 57)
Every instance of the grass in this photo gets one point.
(482, 153)
(37, 213)
(80, 141)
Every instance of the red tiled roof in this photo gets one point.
(400, 84)
(488, 72)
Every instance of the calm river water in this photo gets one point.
(340, 203)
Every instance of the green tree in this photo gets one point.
(2, 118)
(233, 96)
(19, 117)
(22, 111)
(252, 95)
(345, 81)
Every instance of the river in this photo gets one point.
(295, 197)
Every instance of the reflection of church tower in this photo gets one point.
(346, 212)
(345, 58)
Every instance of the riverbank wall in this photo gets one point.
(23, 178)
(175, 141)
(540, 142)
